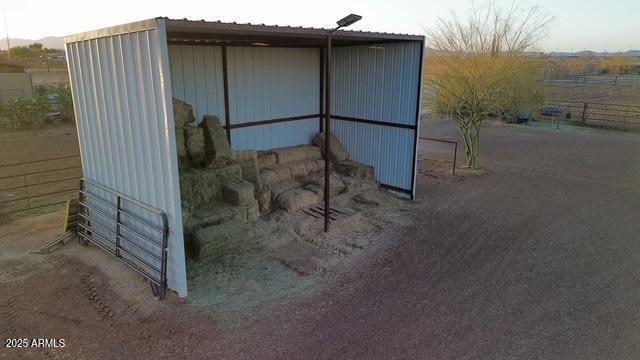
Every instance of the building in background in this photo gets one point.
(14, 81)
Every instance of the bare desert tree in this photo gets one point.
(479, 65)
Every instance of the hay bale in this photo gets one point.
(356, 185)
(216, 213)
(355, 169)
(182, 113)
(244, 155)
(248, 161)
(297, 153)
(199, 188)
(181, 149)
(315, 183)
(296, 199)
(264, 201)
(315, 166)
(253, 211)
(194, 139)
(217, 146)
(251, 173)
(337, 152)
(181, 146)
(267, 158)
(268, 176)
(298, 169)
(238, 193)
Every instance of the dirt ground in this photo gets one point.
(52, 141)
(535, 259)
(38, 168)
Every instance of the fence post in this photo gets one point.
(455, 157)
(118, 207)
(584, 114)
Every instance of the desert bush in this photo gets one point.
(480, 67)
(26, 112)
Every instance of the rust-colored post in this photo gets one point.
(327, 133)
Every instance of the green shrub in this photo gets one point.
(27, 112)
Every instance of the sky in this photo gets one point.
(597, 25)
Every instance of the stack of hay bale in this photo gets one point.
(295, 175)
(215, 197)
(357, 177)
(224, 190)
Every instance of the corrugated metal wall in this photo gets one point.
(122, 98)
(388, 149)
(264, 84)
(196, 78)
(378, 82)
(268, 83)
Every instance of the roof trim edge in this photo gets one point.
(149, 24)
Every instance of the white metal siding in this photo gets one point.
(269, 83)
(272, 136)
(388, 149)
(378, 82)
(196, 78)
(122, 97)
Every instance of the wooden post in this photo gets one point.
(584, 114)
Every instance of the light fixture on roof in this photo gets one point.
(348, 20)
(259, 44)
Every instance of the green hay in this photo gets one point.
(201, 187)
(217, 146)
(194, 137)
(182, 113)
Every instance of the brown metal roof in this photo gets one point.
(220, 33)
(205, 32)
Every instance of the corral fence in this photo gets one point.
(40, 183)
(614, 80)
(594, 113)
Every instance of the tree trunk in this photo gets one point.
(475, 147)
(471, 135)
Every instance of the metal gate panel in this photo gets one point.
(132, 231)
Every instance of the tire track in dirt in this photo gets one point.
(104, 311)
(9, 314)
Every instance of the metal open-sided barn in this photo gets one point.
(265, 82)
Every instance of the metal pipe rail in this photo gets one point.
(455, 149)
(599, 112)
(26, 190)
(108, 225)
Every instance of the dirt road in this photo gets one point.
(537, 259)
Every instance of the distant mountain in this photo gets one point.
(50, 42)
(587, 53)
(566, 54)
